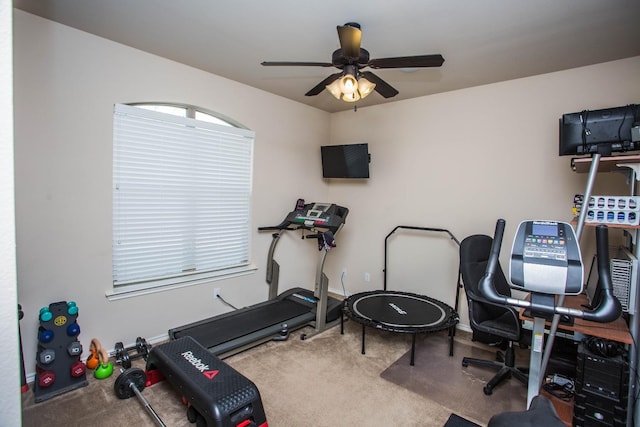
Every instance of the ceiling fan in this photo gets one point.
(352, 84)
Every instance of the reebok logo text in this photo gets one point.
(196, 362)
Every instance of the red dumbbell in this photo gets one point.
(46, 378)
(78, 369)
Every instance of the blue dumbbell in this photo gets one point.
(73, 329)
(72, 308)
(45, 314)
(45, 335)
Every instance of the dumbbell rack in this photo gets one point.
(58, 365)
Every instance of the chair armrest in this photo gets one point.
(478, 310)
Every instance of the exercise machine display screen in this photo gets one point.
(317, 215)
(546, 241)
(546, 258)
(313, 216)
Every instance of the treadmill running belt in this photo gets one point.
(227, 328)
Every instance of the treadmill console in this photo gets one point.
(318, 215)
(546, 258)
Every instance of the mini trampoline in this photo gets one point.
(402, 312)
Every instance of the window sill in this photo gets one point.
(130, 291)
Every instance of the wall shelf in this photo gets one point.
(607, 164)
(631, 165)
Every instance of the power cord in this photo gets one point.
(226, 303)
(560, 387)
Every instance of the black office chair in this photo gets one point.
(540, 413)
(486, 317)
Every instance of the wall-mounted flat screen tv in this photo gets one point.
(599, 131)
(345, 161)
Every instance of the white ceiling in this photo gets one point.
(482, 41)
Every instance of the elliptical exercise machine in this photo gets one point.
(546, 262)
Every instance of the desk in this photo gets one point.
(631, 165)
(618, 330)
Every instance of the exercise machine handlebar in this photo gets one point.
(609, 308)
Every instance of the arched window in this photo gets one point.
(189, 111)
(181, 197)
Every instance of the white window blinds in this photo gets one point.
(181, 198)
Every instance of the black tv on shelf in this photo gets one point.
(345, 161)
(599, 131)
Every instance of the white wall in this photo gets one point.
(10, 361)
(459, 161)
(67, 82)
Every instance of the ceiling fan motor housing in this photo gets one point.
(339, 60)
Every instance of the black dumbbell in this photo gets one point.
(123, 357)
(132, 382)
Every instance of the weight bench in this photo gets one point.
(218, 395)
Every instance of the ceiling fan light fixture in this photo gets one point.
(348, 92)
(334, 89)
(365, 87)
(348, 84)
(351, 97)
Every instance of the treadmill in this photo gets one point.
(236, 331)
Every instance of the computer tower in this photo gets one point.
(624, 270)
(624, 278)
(602, 383)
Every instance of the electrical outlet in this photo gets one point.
(367, 277)
(216, 292)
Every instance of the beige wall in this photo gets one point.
(67, 82)
(457, 160)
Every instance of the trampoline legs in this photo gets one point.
(413, 349)
(342, 330)
(413, 344)
(452, 334)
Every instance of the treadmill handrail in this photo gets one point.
(607, 311)
(281, 226)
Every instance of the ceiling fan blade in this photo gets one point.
(350, 37)
(382, 87)
(294, 63)
(408, 61)
(322, 85)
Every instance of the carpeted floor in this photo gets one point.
(443, 380)
(323, 381)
